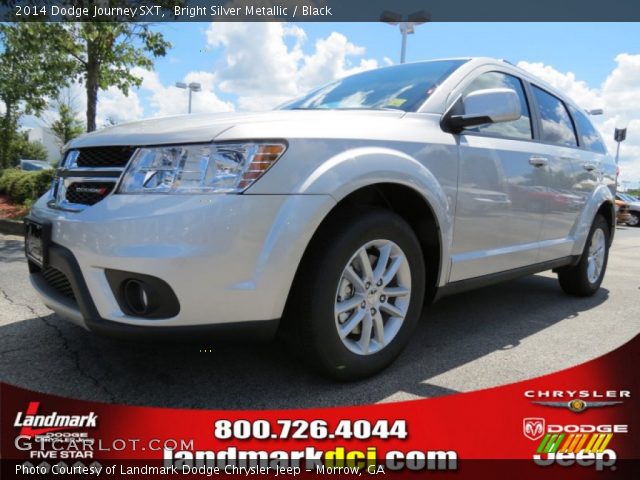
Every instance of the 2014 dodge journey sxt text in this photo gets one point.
(332, 219)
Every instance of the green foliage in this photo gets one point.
(22, 148)
(25, 187)
(104, 53)
(67, 126)
(31, 69)
(38, 59)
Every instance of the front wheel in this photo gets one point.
(584, 279)
(359, 295)
(634, 221)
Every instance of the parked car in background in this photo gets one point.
(622, 212)
(34, 165)
(633, 207)
(333, 218)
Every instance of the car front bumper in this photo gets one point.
(229, 259)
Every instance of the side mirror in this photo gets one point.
(493, 105)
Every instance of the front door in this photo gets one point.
(502, 191)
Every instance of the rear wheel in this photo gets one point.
(634, 221)
(359, 294)
(584, 279)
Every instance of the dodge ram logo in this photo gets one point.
(533, 428)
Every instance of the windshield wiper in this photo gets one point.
(373, 108)
(348, 108)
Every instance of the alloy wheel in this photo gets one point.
(596, 255)
(372, 297)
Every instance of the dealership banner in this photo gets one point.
(582, 422)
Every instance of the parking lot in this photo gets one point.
(500, 334)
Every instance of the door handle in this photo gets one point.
(589, 167)
(539, 161)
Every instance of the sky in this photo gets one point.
(256, 66)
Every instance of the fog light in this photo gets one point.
(137, 296)
(140, 295)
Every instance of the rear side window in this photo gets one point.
(589, 136)
(557, 126)
(520, 128)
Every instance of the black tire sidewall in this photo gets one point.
(598, 223)
(331, 354)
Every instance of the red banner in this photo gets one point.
(578, 423)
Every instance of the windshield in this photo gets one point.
(401, 87)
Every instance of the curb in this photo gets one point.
(11, 227)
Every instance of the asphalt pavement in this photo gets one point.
(493, 336)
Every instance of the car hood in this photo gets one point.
(207, 127)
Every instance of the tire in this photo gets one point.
(584, 279)
(634, 221)
(323, 288)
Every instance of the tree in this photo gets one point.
(67, 126)
(25, 149)
(30, 71)
(104, 54)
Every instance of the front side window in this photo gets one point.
(557, 126)
(401, 87)
(520, 128)
(589, 136)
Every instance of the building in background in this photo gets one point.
(45, 136)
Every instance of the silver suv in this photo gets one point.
(332, 219)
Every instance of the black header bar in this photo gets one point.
(321, 10)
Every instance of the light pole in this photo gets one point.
(406, 26)
(192, 87)
(619, 135)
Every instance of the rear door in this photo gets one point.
(572, 173)
(590, 157)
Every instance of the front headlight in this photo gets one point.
(210, 168)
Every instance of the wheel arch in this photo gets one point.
(600, 202)
(409, 204)
(608, 211)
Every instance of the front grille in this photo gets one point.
(88, 193)
(104, 157)
(59, 282)
(88, 175)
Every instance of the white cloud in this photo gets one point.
(264, 64)
(618, 96)
(115, 105)
(170, 100)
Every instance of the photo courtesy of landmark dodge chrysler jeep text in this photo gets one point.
(332, 219)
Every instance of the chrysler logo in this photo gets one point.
(577, 405)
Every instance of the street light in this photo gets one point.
(595, 111)
(406, 26)
(192, 87)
